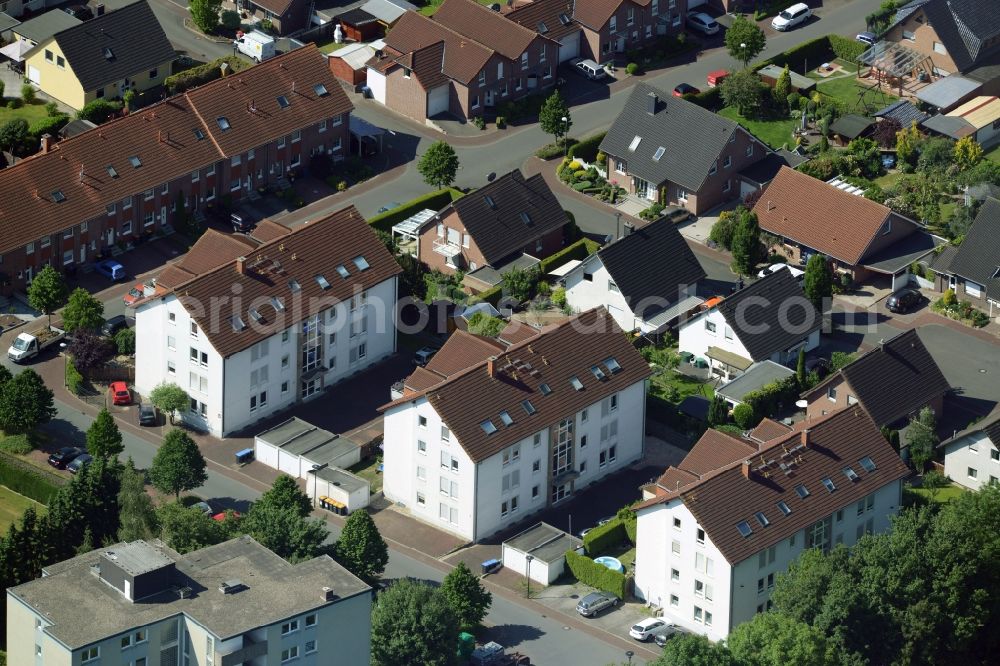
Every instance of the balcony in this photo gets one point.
(251, 650)
(446, 249)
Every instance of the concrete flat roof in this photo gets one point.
(342, 479)
(543, 542)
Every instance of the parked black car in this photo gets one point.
(114, 324)
(79, 463)
(664, 634)
(242, 224)
(147, 415)
(65, 456)
(904, 300)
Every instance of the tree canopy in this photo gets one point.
(818, 280)
(413, 624)
(285, 493)
(361, 548)
(550, 117)
(438, 165)
(466, 595)
(82, 312)
(745, 40)
(138, 515)
(746, 243)
(47, 291)
(743, 90)
(25, 403)
(104, 440)
(285, 531)
(169, 399)
(205, 14)
(178, 465)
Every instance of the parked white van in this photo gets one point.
(792, 17)
(256, 44)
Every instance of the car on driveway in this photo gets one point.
(677, 214)
(665, 633)
(595, 602)
(147, 415)
(590, 69)
(903, 300)
(795, 15)
(644, 630)
(869, 38)
(110, 269)
(703, 23)
(424, 355)
(137, 291)
(79, 462)
(797, 273)
(114, 324)
(242, 223)
(682, 89)
(65, 456)
(120, 395)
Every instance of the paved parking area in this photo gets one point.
(617, 620)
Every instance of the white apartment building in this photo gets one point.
(769, 319)
(972, 456)
(488, 434)
(250, 325)
(235, 603)
(714, 533)
(646, 280)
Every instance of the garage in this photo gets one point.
(539, 552)
(569, 46)
(34, 76)
(295, 447)
(375, 80)
(338, 490)
(437, 101)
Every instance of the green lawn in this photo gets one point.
(368, 470)
(662, 382)
(774, 133)
(888, 180)
(432, 6)
(846, 89)
(331, 46)
(922, 496)
(30, 112)
(849, 67)
(12, 506)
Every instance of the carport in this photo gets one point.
(895, 260)
(366, 139)
(539, 552)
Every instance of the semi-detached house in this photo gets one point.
(488, 434)
(79, 198)
(251, 326)
(715, 532)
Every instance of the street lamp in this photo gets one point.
(527, 572)
(629, 654)
(314, 471)
(565, 136)
(62, 350)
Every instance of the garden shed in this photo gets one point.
(337, 490)
(800, 84)
(543, 547)
(852, 126)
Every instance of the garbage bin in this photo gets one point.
(490, 566)
(466, 644)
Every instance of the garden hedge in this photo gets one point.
(48, 125)
(596, 575)
(24, 479)
(581, 249)
(804, 57)
(710, 99)
(587, 148)
(605, 537)
(847, 49)
(210, 71)
(434, 200)
(74, 380)
(765, 400)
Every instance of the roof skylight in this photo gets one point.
(277, 303)
(802, 491)
(113, 172)
(545, 389)
(598, 372)
(223, 123)
(361, 262)
(322, 282)
(283, 102)
(527, 220)
(320, 90)
(612, 364)
(238, 323)
(867, 463)
(577, 384)
(635, 144)
(785, 509)
(542, 28)
(762, 519)
(342, 271)
(135, 161)
(255, 315)
(528, 407)
(58, 196)
(659, 153)
(829, 485)
(564, 19)
(488, 427)
(744, 528)
(506, 419)
(294, 285)
(199, 133)
(851, 474)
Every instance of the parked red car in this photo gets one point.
(134, 294)
(685, 89)
(715, 78)
(120, 395)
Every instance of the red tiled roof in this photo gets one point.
(517, 331)
(479, 22)
(767, 430)
(595, 13)
(534, 15)
(559, 352)
(818, 215)
(162, 138)
(213, 249)
(716, 449)
(463, 56)
(461, 351)
(268, 230)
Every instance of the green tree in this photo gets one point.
(438, 165)
(907, 141)
(169, 399)
(744, 416)
(83, 312)
(693, 650)
(723, 230)
(47, 291)
(104, 440)
(28, 93)
(718, 412)
(864, 158)
(466, 596)
(783, 88)
(486, 325)
(746, 243)
(283, 530)
(25, 403)
(936, 155)
(551, 115)
(518, 283)
(205, 14)
(800, 367)
(839, 359)
(178, 465)
(285, 493)
(137, 513)
(13, 133)
(411, 624)
(772, 639)
(921, 438)
(185, 528)
(743, 90)
(818, 280)
(968, 153)
(128, 98)
(230, 20)
(125, 341)
(361, 548)
(745, 41)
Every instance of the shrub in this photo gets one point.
(948, 298)
(766, 400)
(265, 25)
(978, 318)
(632, 69)
(596, 575)
(710, 99)
(588, 149)
(125, 341)
(582, 185)
(815, 51)
(28, 93)
(479, 122)
(934, 480)
(19, 445)
(98, 111)
(501, 122)
(15, 103)
(559, 297)
(210, 71)
(580, 174)
(847, 49)
(230, 20)
(74, 380)
(48, 125)
(604, 537)
(744, 416)
(435, 200)
(51, 108)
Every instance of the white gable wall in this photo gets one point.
(972, 461)
(584, 294)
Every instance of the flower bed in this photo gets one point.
(589, 180)
(963, 311)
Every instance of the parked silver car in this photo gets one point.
(595, 602)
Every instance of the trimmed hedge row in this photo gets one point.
(589, 572)
(587, 148)
(605, 537)
(710, 98)
(434, 200)
(801, 58)
(74, 380)
(28, 481)
(766, 400)
(847, 49)
(210, 71)
(581, 249)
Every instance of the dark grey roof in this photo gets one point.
(692, 137)
(851, 126)
(965, 27)
(493, 275)
(893, 380)
(948, 91)
(904, 112)
(7, 22)
(652, 263)
(115, 46)
(903, 252)
(989, 424)
(952, 126)
(545, 543)
(357, 16)
(942, 262)
(982, 191)
(762, 321)
(74, 127)
(521, 211)
(978, 257)
(45, 25)
(764, 171)
(758, 376)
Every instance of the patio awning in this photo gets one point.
(16, 50)
(563, 270)
(667, 315)
(893, 58)
(411, 226)
(731, 359)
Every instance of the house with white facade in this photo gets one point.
(770, 319)
(488, 433)
(249, 326)
(646, 280)
(714, 532)
(972, 456)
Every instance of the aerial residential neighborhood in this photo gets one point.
(460, 332)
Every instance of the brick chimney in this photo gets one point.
(491, 366)
(46, 142)
(804, 435)
(241, 265)
(746, 469)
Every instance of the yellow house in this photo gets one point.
(102, 58)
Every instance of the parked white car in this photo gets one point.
(703, 23)
(797, 273)
(644, 629)
(791, 17)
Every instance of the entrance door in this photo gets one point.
(641, 187)
(28, 274)
(620, 45)
(83, 254)
(952, 282)
(163, 214)
(34, 75)
(111, 236)
(489, 97)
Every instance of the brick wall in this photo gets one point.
(923, 41)
(405, 95)
(601, 44)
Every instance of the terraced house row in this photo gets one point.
(79, 198)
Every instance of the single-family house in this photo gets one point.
(668, 150)
(513, 221)
(862, 238)
(972, 456)
(646, 280)
(463, 61)
(770, 319)
(715, 532)
(316, 304)
(488, 434)
(82, 197)
(893, 382)
(122, 50)
(972, 270)
(978, 118)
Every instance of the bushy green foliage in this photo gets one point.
(74, 380)
(125, 341)
(632, 69)
(596, 575)
(604, 537)
(744, 416)
(766, 401)
(27, 481)
(361, 548)
(586, 149)
(438, 165)
(201, 74)
(486, 325)
(48, 125)
(435, 200)
(230, 20)
(846, 48)
(19, 445)
(99, 110)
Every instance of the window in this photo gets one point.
(48, 55)
(728, 162)
(697, 614)
(677, 523)
(613, 24)
(534, 492)
(675, 547)
(321, 126)
(506, 419)
(766, 557)
(939, 48)
(744, 528)
(710, 326)
(802, 491)
(310, 647)
(90, 654)
(422, 421)
(762, 519)
(296, 136)
(171, 368)
(528, 407)
(867, 464)
(973, 473)
(994, 454)
(126, 641)
(289, 627)
(784, 508)
(829, 485)
(421, 499)
(290, 653)
(524, 60)
(337, 121)
(488, 427)
(831, 394)
(421, 446)
(674, 601)
(630, 16)
(700, 536)
(60, 62)
(908, 35)
(675, 575)
(850, 474)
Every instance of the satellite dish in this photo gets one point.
(801, 404)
